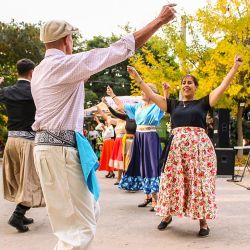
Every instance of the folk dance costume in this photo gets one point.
(188, 180)
(108, 144)
(128, 138)
(20, 180)
(116, 158)
(144, 171)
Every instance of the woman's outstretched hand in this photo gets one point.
(165, 86)
(104, 101)
(238, 61)
(133, 73)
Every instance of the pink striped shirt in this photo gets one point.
(57, 83)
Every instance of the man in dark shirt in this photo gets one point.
(20, 180)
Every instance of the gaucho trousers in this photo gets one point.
(72, 210)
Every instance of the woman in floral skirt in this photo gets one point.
(187, 185)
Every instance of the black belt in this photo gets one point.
(65, 138)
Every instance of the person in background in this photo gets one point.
(20, 180)
(85, 132)
(108, 134)
(92, 136)
(116, 157)
(99, 150)
(130, 128)
(210, 126)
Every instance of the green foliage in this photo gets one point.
(17, 40)
(91, 98)
(156, 63)
(115, 76)
(20, 40)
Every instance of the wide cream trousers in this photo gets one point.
(20, 180)
(71, 207)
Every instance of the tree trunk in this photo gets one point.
(240, 131)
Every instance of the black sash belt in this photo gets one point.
(65, 138)
(30, 135)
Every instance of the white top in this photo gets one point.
(107, 132)
(57, 83)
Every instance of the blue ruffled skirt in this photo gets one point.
(144, 169)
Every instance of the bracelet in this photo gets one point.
(113, 96)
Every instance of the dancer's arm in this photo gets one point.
(117, 101)
(166, 89)
(99, 110)
(113, 112)
(100, 126)
(159, 100)
(96, 119)
(166, 15)
(215, 95)
(117, 114)
(106, 117)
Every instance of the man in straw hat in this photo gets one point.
(58, 91)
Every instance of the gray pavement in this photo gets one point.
(123, 226)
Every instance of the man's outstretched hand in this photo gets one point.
(167, 13)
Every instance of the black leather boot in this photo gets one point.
(16, 219)
(145, 203)
(27, 221)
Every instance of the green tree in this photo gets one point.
(156, 63)
(115, 76)
(91, 98)
(18, 40)
(215, 34)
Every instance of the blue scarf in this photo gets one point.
(89, 164)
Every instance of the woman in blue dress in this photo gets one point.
(144, 170)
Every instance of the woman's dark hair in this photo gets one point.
(24, 65)
(196, 83)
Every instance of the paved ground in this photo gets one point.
(123, 226)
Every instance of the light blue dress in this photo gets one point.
(144, 170)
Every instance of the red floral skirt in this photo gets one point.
(187, 186)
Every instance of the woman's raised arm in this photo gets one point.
(159, 100)
(215, 95)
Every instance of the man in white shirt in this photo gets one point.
(58, 92)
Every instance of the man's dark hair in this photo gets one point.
(24, 66)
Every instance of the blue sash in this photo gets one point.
(89, 163)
